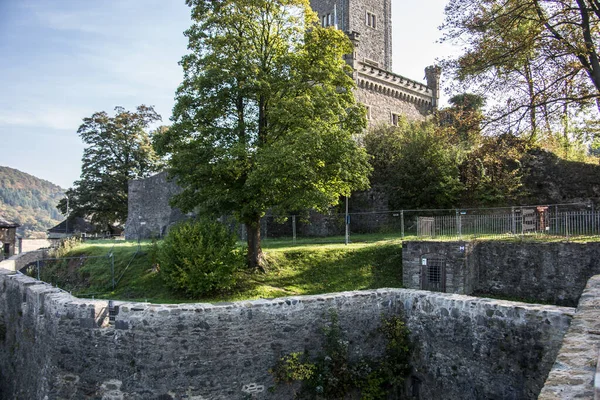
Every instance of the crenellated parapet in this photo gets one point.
(369, 77)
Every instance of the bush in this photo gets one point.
(199, 257)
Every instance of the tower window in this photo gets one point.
(395, 119)
(371, 20)
(327, 20)
(368, 112)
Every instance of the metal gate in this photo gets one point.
(433, 273)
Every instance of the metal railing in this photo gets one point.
(519, 222)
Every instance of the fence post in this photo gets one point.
(567, 226)
(112, 268)
(294, 229)
(347, 236)
(458, 224)
(402, 224)
(514, 221)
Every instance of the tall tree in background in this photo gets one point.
(118, 149)
(265, 115)
(463, 117)
(538, 59)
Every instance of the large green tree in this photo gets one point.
(538, 59)
(416, 164)
(265, 115)
(118, 150)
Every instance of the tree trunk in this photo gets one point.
(255, 255)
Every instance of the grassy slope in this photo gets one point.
(301, 269)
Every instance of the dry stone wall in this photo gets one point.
(55, 345)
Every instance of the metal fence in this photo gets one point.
(560, 220)
(526, 221)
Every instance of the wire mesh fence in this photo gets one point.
(559, 220)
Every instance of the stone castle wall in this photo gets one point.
(55, 345)
(553, 273)
(149, 213)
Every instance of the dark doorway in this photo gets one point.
(433, 273)
(6, 250)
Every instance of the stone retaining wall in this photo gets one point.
(553, 273)
(20, 261)
(55, 345)
(576, 372)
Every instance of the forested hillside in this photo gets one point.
(29, 201)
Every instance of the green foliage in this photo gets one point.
(414, 163)
(118, 150)
(28, 201)
(333, 375)
(265, 114)
(492, 173)
(65, 247)
(199, 257)
(462, 120)
(537, 58)
(293, 367)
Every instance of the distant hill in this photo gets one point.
(29, 201)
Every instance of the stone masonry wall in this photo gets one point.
(55, 345)
(20, 261)
(576, 372)
(382, 107)
(553, 273)
(149, 212)
(459, 277)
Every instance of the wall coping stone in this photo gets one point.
(576, 371)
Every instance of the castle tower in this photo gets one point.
(371, 19)
(386, 95)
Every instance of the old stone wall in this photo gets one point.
(553, 273)
(576, 372)
(54, 345)
(375, 43)
(20, 261)
(382, 106)
(149, 211)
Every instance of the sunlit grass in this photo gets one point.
(306, 267)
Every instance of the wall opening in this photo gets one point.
(433, 273)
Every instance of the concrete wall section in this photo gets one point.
(54, 345)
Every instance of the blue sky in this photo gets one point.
(63, 60)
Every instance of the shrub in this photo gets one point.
(199, 257)
(333, 375)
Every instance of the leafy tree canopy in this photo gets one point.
(265, 115)
(538, 59)
(415, 164)
(118, 149)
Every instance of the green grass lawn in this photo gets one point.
(307, 267)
